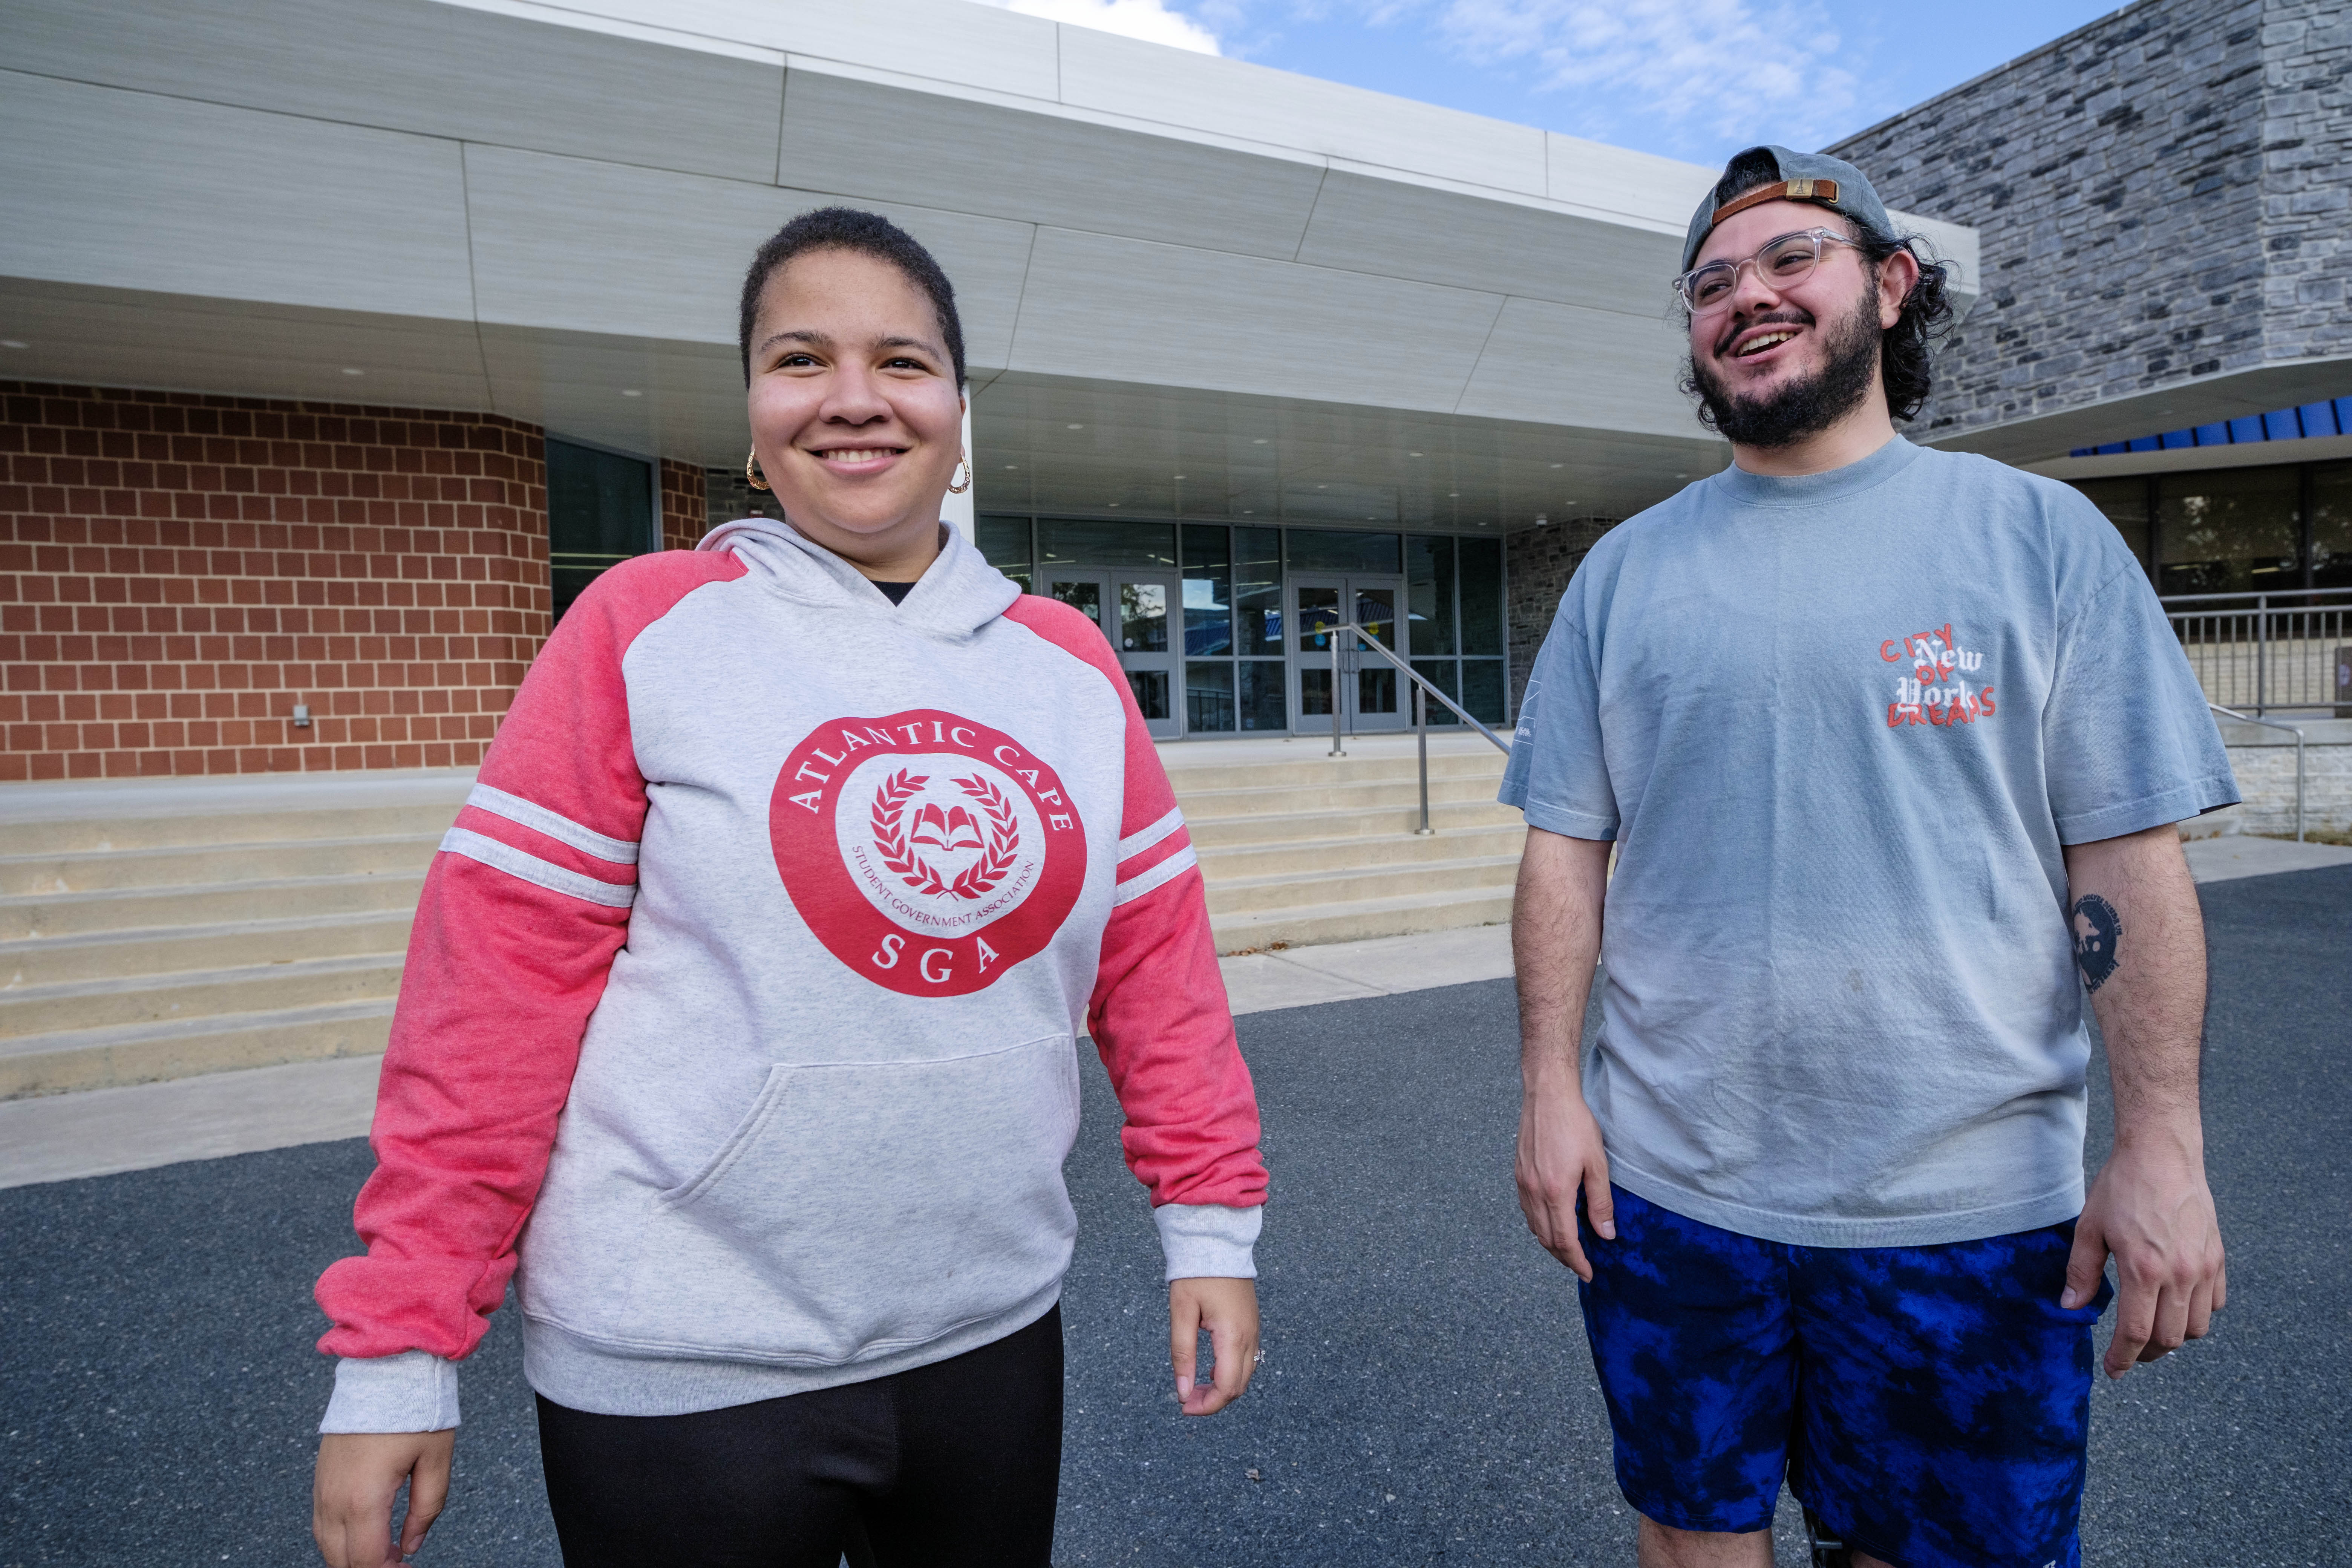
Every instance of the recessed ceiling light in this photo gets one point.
(353, 370)
(1258, 442)
(1077, 427)
(631, 392)
(1011, 466)
(1559, 465)
(1412, 453)
(13, 343)
(1681, 475)
(1112, 503)
(1180, 476)
(1247, 511)
(1322, 486)
(1453, 495)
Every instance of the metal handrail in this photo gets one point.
(2171, 599)
(2290, 729)
(1422, 692)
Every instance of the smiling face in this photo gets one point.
(856, 414)
(1781, 362)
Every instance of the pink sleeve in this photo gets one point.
(1160, 1016)
(515, 932)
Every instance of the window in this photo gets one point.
(2124, 503)
(600, 512)
(1066, 541)
(1322, 550)
(1482, 628)
(2230, 530)
(1004, 544)
(2331, 526)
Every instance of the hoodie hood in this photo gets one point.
(959, 592)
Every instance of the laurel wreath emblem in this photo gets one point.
(977, 879)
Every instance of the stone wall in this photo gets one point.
(2264, 763)
(2161, 195)
(1536, 564)
(177, 572)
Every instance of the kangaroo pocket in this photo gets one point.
(864, 1207)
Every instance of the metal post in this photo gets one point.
(1337, 749)
(2262, 652)
(2298, 786)
(1421, 738)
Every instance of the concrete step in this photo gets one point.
(1190, 776)
(1308, 924)
(202, 993)
(1325, 826)
(142, 1053)
(119, 834)
(1228, 863)
(182, 949)
(136, 908)
(1217, 804)
(82, 871)
(1247, 895)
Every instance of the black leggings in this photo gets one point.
(955, 1465)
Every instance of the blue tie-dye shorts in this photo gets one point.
(1930, 1404)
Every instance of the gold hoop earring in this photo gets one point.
(965, 468)
(752, 474)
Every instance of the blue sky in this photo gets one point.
(1695, 79)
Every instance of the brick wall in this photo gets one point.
(1537, 563)
(684, 508)
(2160, 196)
(177, 572)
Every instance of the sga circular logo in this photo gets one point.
(929, 853)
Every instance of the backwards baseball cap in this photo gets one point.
(1813, 177)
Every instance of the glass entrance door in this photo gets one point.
(1136, 611)
(1371, 691)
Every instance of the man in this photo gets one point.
(1890, 744)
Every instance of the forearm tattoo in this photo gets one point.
(2098, 934)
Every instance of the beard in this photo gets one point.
(1803, 407)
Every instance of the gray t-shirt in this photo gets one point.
(1841, 726)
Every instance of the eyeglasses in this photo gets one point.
(1783, 261)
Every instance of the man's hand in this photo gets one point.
(1560, 1155)
(1555, 943)
(2139, 940)
(352, 1493)
(1228, 1310)
(2150, 1208)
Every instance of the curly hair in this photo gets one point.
(1905, 347)
(864, 234)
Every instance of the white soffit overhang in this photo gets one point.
(543, 211)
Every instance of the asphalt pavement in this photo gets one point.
(1426, 1397)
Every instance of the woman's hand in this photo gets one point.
(360, 1473)
(1228, 1310)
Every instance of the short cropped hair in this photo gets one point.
(862, 234)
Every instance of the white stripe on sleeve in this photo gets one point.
(556, 826)
(1135, 843)
(541, 873)
(1142, 882)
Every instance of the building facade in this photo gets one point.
(345, 342)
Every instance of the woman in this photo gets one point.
(750, 977)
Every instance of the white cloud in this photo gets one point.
(1758, 71)
(1150, 20)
